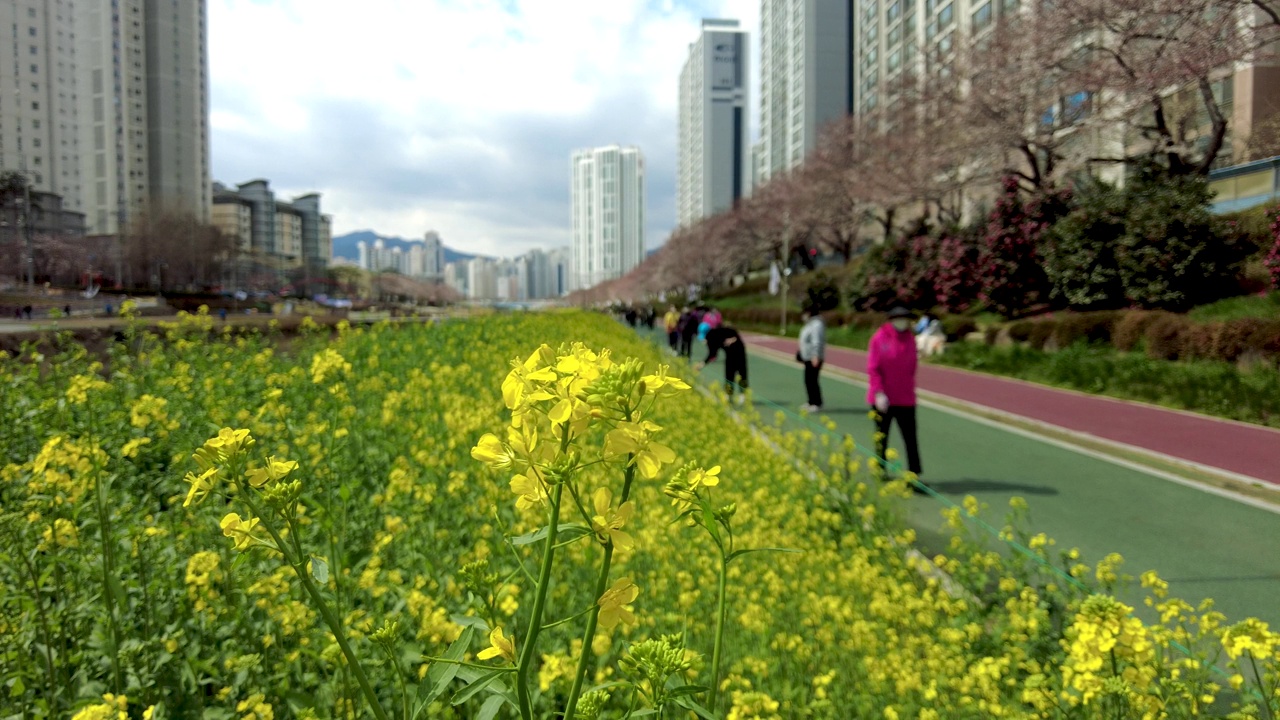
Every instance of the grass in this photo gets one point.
(1245, 306)
(1213, 388)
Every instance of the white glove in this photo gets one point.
(882, 402)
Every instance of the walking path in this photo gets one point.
(1250, 452)
(1204, 544)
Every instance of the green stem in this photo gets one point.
(1262, 686)
(715, 650)
(602, 584)
(299, 566)
(539, 604)
(108, 570)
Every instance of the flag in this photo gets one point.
(775, 279)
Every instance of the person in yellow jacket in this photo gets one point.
(672, 320)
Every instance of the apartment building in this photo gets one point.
(805, 79)
(713, 157)
(607, 207)
(105, 102)
(286, 236)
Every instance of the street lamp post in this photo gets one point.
(31, 258)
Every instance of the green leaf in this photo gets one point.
(319, 569)
(442, 673)
(692, 706)
(567, 531)
(739, 553)
(470, 691)
(17, 688)
(489, 710)
(684, 690)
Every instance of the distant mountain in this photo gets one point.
(345, 246)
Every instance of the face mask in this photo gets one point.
(901, 324)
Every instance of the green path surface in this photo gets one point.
(1204, 545)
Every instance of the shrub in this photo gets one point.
(1174, 254)
(1093, 327)
(957, 327)
(1272, 261)
(822, 293)
(954, 275)
(1011, 267)
(1165, 336)
(1079, 250)
(1041, 332)
(1020, 331)
(1130, 329)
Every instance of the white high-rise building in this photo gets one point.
(482, 279)
(607, 206)
(805, 81)
(39, 119)
(713, 167)
(433, 256)
(106, 103)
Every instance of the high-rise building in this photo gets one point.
(283, 235)
(805, 81)
(712, 157)
(607, 208)
(106, 103)
(38, 90)
(433, 256)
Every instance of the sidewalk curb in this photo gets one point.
(1224, 483)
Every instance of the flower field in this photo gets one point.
(483, 519)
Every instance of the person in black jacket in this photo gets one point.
(735, 358)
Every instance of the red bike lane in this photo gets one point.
(1249, 450)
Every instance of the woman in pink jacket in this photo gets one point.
(891, 371)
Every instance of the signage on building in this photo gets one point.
(724, 65)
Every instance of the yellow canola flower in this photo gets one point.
(608, 522)
(326, 364)
(241, 530)
(201, 486)
(80, 387)
(499, 645)
(523, 385)
(62, 533)
(637, 438)
(131, 448)
(1251, 636)
(531, 491)
(274, 471)
(492, 452)
(704, 478)
(661, 384)
(613, 604)
(112, 707)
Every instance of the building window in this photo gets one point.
(944, 45)
(982, 17)
(895, 9)
(35, 106)
(34, 50)
(895, 36)
(946, 15)
(895, 60)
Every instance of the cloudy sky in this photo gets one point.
(453, 115)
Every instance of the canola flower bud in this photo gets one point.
(388, 635)
(591, 705)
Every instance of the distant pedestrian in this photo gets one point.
(687, 326)
(66, 311)
(930, 337)
(812, 353)
(891, 375)
(704, 322)
(222, 314)
(630, 315)
(671, 323)
(26, 311)
(735, 359)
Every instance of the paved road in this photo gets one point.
(1249, 450)
(1203, 544)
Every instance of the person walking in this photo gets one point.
(671, 321)
(735, 359)
(891, 374)
(812, 353)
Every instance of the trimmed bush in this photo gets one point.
(957, 327)
(1165, 336)
(1092, 327)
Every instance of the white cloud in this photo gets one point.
(457, 115)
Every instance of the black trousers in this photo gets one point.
(735, 372)
(906, 417)
(811, 385)
(673, 339)
(686, 344)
